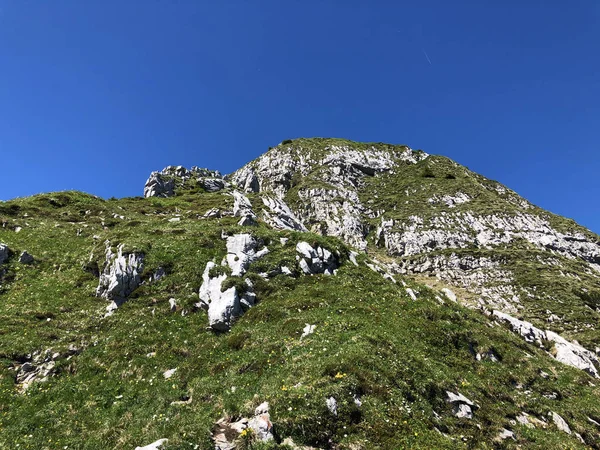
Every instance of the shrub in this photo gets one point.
(427, 173)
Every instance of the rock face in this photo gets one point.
(242, 249)
(315, 260)
(164, 183)
(333, 210)
(243, 208)
(279, 215)
(120, 277)
(224, 307)
(462, 406)
(228, 435)
(564, 351)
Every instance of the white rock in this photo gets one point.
(332, 405)
(560, 422)
(308, 329)
(121, 274)
(411, 293)
(156, 445)
(449, 294)
(173, 304)
(280, 216)
(169, 373)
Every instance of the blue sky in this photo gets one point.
(94, 95)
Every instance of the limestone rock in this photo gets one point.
(564, 351)
(530, 333)
(280, 216)
(243, 208)
(560, 422)
(574, 355)
(121, 275)
(241, 252)
(226, 433)
(462, 406)
(315, 260)
(213, 184)
(449, 294)
(331, 403)
(156, 445)
(164, 183)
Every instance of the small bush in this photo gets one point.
(286, 142)
(427, 173)
(217, 271)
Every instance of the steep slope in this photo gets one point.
(105, 340)
(428, 216)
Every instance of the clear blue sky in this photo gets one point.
(94, 95)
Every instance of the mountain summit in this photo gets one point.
(329, 294)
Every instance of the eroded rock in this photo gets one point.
(26, 258)
(120, 277)
(462, 406)
(4, 253)
(315, 260)
(227, 433)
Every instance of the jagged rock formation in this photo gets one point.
(229, 435)
(466, 316)
(315, 260)
(163, 183)
(564, 351)
(120, 277)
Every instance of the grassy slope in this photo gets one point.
(371, 340)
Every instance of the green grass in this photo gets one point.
(371, 340)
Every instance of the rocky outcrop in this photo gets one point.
(40, 366)
(229, 435)
(224, 306)
(279, 215)
(163, 183)
(243, 208)
(462, 406)
(242, 250)
(562, 350)
(120, 277)
(316, 260)
(337, 210)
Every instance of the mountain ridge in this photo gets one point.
(328, 294)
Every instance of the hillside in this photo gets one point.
(329, 294)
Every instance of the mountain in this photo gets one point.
(329, 294)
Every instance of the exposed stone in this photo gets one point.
(332, 405)
(172, 304)
(280, 216)
(560, 422)
(121, 275)
(243, 208)
(241, 252)
(411, 293)
(315, 260)
(212, 184)
(462, 406)
(163, 183)
(226, 433)
(564, 351)
(505, 434)
(308, 329)
(26, 258)
(156, 445)
(449, 294)
(169, 373)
